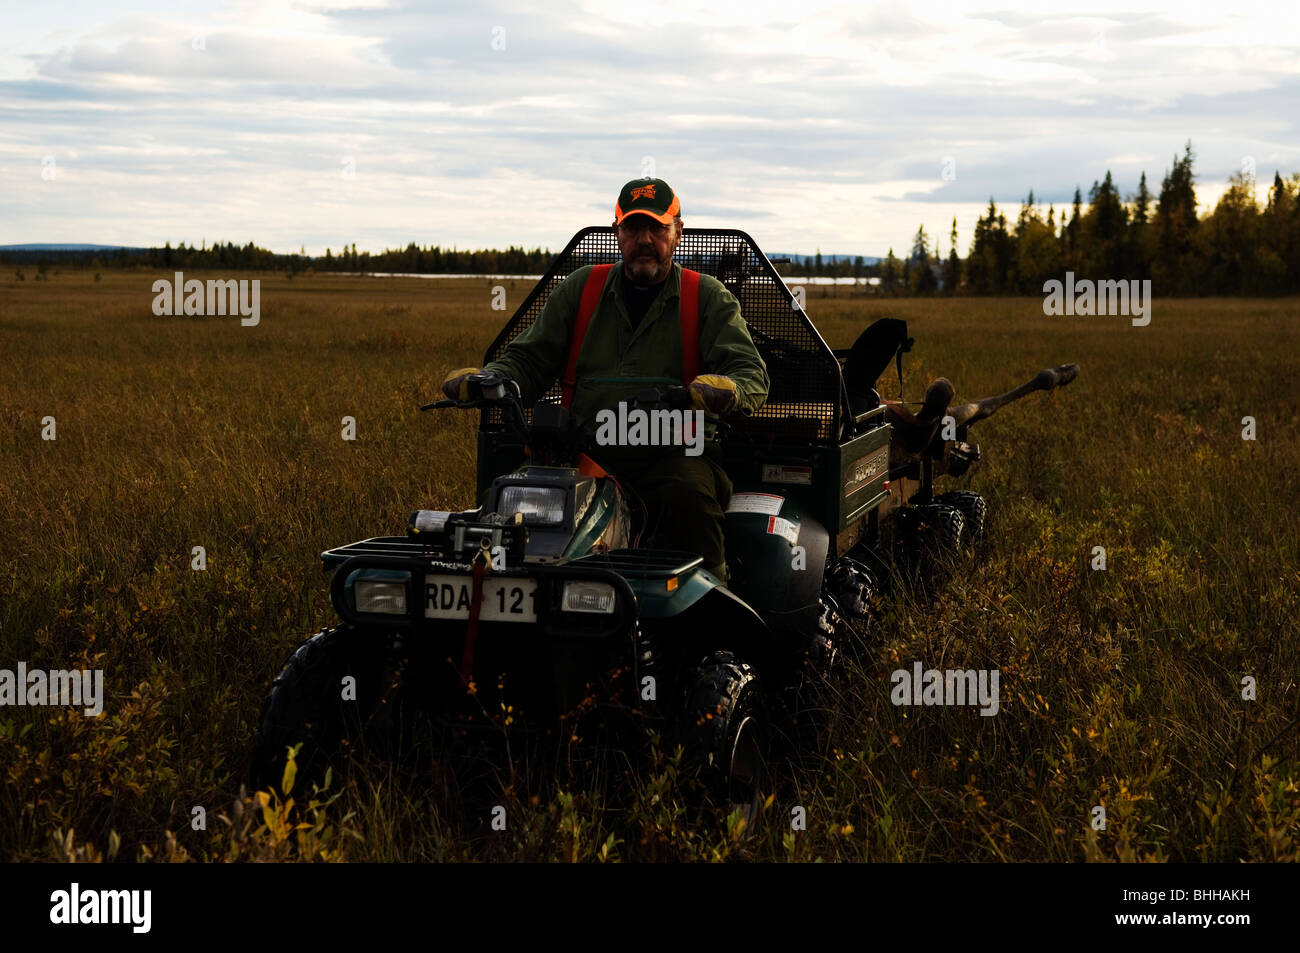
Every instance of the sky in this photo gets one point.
(832, 127)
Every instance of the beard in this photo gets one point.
(645, 270)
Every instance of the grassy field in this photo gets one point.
(1120, 688)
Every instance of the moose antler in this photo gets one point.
(913, 432)
(1048, 379)
(916, 430)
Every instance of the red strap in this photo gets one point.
(690, 325)
(690, 307)
(591, 290)
(471, 627)
(586, 308)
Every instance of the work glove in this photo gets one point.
(714, 394)
(455, 386)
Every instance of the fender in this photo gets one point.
(776, 552)
(702, 605)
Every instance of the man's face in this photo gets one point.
(647, 247)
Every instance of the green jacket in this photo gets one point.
(613, 350)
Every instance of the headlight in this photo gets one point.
(540, 505)
(380, 591)
(581, 596)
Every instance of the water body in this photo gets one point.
(790, 280)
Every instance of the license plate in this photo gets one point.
(508, 599)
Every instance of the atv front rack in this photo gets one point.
(408, 564)
(398, 546)
(643, 563)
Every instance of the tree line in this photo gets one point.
(1237, 248)
(412, 259)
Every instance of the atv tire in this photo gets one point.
(725, 732)
(812, 699)
(306, 705)
(974, 508)
(856, 592)
(931, 537)
(945, 533)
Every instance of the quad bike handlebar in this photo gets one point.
(484, 390)
(493, 390)
(553, 434)
(489, 390)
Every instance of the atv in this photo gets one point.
(543, 602)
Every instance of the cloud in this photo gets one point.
(508, 124)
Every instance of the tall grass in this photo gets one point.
(1120, 688)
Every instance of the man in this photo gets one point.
(633, 339)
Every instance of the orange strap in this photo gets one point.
(690, 340)
(690, 324)
(589, 467)
(690, 316)
(586, 308)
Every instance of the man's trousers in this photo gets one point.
(685, 498)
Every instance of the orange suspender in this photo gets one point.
(690, 315)
(586, 308)
(690, 305)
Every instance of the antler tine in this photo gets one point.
(1047, 379)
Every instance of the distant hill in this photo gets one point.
(826, 259)
(409, 260)
(40, 247)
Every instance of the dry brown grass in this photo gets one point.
(1119, 688)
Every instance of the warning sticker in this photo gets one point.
(783, 528)
(779, 473)
(768, 503)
